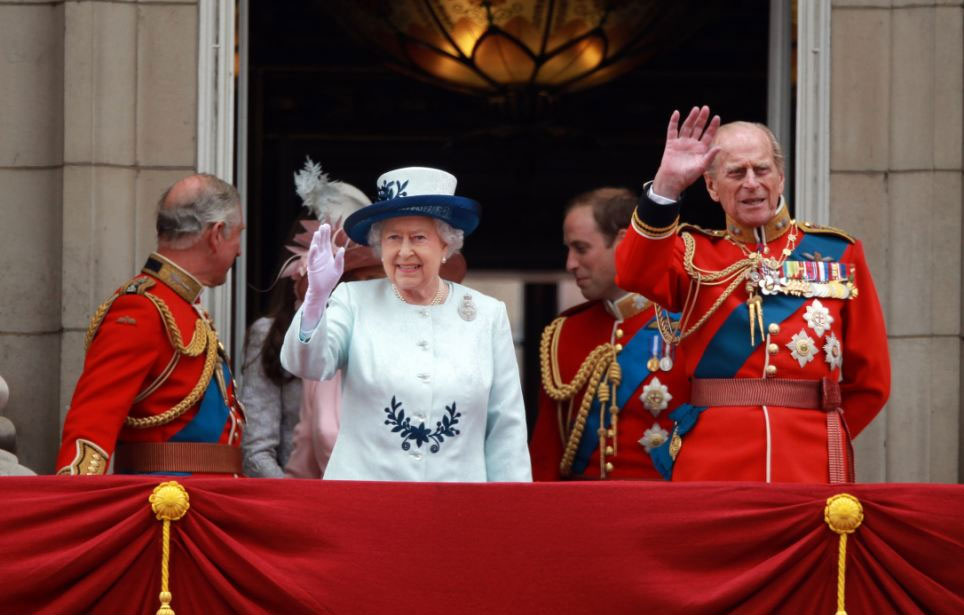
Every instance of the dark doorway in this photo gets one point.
(318, 91)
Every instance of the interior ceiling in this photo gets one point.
(318, 91)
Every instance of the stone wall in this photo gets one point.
(896, 152)
(31, 185)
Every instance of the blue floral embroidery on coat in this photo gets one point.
(392, 190)
(420, 434)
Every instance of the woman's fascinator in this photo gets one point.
(330, 202)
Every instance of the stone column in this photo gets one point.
(31, 159)
(130, 83)
(896, 169)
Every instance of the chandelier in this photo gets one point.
(507, 49)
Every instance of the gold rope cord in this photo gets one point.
(169, 502)
(843, 514)
(734, 274)
(210, 362)
(198, 341)
(97, 319)
(595, 368)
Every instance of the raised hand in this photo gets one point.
(688, 152)
(324, 271)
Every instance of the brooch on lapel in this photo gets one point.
(467, 309)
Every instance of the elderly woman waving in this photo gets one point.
(431, 387)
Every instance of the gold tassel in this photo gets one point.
(755, 305)
(170, 502)
(843, 514)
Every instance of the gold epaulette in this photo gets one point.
(686, 226)
(136, 286)
(810, 227)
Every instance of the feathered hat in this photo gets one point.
(330, 202)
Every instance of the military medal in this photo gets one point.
(653, 363)
(666, 363)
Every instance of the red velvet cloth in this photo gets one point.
(91, 545)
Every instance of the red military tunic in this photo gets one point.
(628, 326)
(154, 373)
(809, 325)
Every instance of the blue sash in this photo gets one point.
(730, 348)
(632, 361)
(208, 424)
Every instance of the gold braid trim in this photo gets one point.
(136, 286)
(210, 362)
(198, 341)
(595, 368)
(653, 232)
(733, 274)
(97, 319)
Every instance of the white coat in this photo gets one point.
(430, 393)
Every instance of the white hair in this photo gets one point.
(453, 238)
(180, 224)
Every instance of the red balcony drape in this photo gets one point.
(92, 545)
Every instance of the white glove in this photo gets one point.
(324, 271)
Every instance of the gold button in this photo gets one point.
(609, 467)
(609, 450)
(619, 333)
(619, 347)
(610, 433)
(774, 328)
(773, 348)
(771, 369)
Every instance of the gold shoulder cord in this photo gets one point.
(603, 374)
(204, 338)
(734, 274)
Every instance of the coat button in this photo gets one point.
(771, 369)
(773, 348)
(774, 328)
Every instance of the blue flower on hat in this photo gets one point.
(414, 191)
(386, 192)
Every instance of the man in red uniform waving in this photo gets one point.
(156, 393)
(608, 379)
(783, 334)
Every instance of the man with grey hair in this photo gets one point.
(787, 360)
(156, 393)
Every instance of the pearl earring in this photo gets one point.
(444, 260)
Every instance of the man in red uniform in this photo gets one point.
(783, 334)
(156, 393)
(608, 378)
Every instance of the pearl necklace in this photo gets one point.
(437, 299)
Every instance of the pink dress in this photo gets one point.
(317, 428)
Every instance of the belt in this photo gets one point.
(203, 457)
(823, 394)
